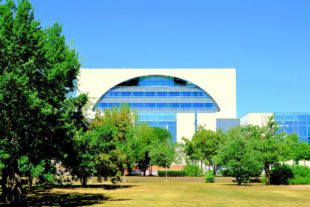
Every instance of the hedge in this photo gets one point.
(171, 173)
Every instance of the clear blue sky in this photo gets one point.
(267, 41)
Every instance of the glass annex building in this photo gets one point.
(176, 99)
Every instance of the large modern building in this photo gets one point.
(176, 99)
(180, 99)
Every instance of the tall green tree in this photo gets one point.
(105, 148)
(206, 145)
(267, 142)
(37, 72)
(238, 156)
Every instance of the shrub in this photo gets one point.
(171, 173)
(280, 174)
(193, 170)
(209, 177)
(301, 175)
(225, 173)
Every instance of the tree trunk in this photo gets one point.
(238, 180)
(30, 181)
(83, 181)
(144, 172)
(267, 174)
(12, 193)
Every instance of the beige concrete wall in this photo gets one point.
(207, 120)
(185, 126)
(259, 119)
(220, 84)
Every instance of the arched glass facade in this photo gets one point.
(157, 99)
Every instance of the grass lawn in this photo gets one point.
(154, 191)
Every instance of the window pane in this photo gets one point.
(186, 94)
(210, 105)
(174, 93)
(195, 93)
(137, 93)
(125, 93)
(103, 105)
(185, 105)
(162, 105)
(198, 105)
(138, 105)
(161, 93)
(149, 93)
(116, 93)
(150, 105)
(174, 105)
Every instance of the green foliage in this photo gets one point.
(204, 146)
(155, 147)
(105, 148)
(301, 175)
(38, 72)
(209, 177)
(193, 170)
(267, 142)
(280, 174)
(238, 155)
(171, 173)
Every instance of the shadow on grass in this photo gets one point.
(68, 199)
(103, 186)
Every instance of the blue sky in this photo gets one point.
(267, 41)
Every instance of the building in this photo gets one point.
(298, 123)
(176, 99)
(180, 99)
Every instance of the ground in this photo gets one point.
(154, 191)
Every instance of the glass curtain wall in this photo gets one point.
(298, 123)
(157, 99)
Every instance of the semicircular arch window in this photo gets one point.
(157, 93)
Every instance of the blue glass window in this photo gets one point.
(186, 94)
(161, 93)
(138, 105)
(116, 93)
(198, 105)
(137, 93)
(209, 105)
(150, 105)
(114, 104)
(174, 105)
(125, 93)
(103, 105)
(149, 93)
(174, 93)
(162, 105)
(195, 93)
(185, 105)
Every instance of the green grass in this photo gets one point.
(154, 191)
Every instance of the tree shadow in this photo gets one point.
(38, 195)
(66, 199)
(103, 186)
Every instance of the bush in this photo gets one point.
(193, 170)
(171, 173)
(225, 173)
(209, 178)
(301, 175)
(280, 174)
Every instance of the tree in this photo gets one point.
(238, 156)
(104, 149)
(37, 74)
(267, 142)
(162, 150)
(206, 145)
